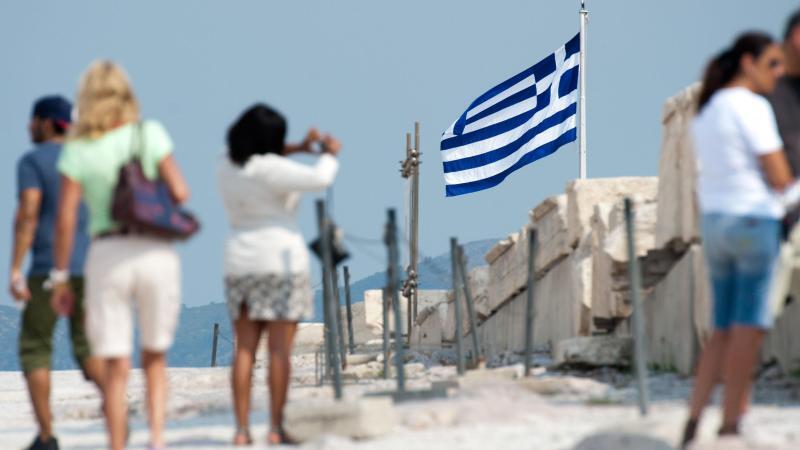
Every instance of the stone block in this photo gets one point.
(783, 341)
(428, 330)
(307, 339)
(479, 288)
(594, 351)
(361, 358)
(677, 173)
(610, 279)
(373, 300)
(550, 220)
(583, 195)
(559, 304)
(500, 248)
(368, 371)
(479, 285)
(678, 314)
(352, 418)
(567, 386)
(508, 272)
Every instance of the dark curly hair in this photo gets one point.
(258, 131)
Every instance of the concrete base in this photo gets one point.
(435, 392)
(594, 351)
(351, 418)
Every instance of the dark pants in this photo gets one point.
(39, 321)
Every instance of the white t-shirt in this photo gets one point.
(261, 200)
(731, 132)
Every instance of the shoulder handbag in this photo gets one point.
(144, 206)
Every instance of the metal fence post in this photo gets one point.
(327, 267)
(639, 350)
(469, 300)
(339, 320)
(459, 332)
(214, 341)
(530, 312)
(385, 322)
(394, 287)
(350, 337)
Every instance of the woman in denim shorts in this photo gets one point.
(741, 171)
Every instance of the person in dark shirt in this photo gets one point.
(38, 188)
(786, 97)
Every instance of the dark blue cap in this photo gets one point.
(54, 107)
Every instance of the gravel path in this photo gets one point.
(488, 412)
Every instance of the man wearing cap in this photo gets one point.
(38, 186)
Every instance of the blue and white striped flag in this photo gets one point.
(522, 119)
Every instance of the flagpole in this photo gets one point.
(584, 16)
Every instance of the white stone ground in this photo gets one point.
(483, 414)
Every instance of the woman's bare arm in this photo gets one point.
(172, 176)
(776, 169)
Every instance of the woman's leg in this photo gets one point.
(281, 338)
(154, 365)
(740, 362)
(248, 333)
(709, 369)
(116, 408)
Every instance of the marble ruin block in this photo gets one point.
(550, 220)
(610, 279)
(677, 173)
(583, 195)
(678, 314)
(428, 329)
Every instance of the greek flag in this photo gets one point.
(522, 119)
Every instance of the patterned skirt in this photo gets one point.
(270, 296)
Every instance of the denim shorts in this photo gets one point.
(742, 254)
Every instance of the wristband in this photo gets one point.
(59, 275)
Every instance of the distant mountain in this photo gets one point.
(192, 347)
(435, 273)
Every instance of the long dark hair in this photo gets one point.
(725, 66)
(258, 131)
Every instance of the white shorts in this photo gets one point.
(126, 273)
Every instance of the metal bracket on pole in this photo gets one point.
(327, 295)
(639, 349)
(410, 170)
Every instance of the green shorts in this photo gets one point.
(39, 321)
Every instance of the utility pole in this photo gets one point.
(410, 170)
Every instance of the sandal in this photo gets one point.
(729, 429)
(689, 432)
(242, 437)
(277, 436)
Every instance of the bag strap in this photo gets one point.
(135, 148)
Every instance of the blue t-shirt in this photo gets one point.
(37, 170)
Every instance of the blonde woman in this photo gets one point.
(124, 270)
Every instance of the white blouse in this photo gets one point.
(261, 200)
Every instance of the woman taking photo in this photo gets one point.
(124, 270)
(267, 273)
(741, 171)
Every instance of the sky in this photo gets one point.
(364, 71)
